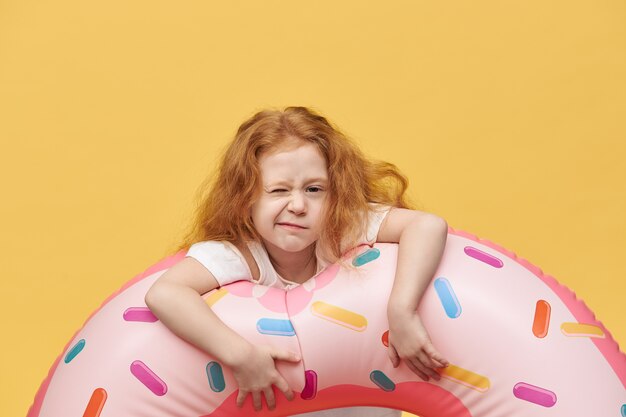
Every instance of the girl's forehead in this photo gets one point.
(305, 161)
(289, 144)
(303, 151)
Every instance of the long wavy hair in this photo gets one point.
(224, 200)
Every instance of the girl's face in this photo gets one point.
(288, 213)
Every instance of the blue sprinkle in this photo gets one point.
(216, 376)
(383, 382)
(365, 257)
(448, 298)
(78, 347)
(277, 327)
(623, 410)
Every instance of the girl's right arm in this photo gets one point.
(175, 298)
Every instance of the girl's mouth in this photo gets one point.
(291, 226)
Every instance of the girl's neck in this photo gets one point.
(293, 266)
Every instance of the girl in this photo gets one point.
(292, 194)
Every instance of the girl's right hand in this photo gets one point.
(256, 372)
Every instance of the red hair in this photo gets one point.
(224, 200)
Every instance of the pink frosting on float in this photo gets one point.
(274, 300)
(240, 289)
(298, 300)
(327, 276)
(607, 345)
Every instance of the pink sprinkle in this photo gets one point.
(148, 378)
(310, 385)
(139, 314)
(534, 394)
(483, 257)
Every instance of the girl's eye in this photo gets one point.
(311, 189)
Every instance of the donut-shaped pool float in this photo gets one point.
(519, 345)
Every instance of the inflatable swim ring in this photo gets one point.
(519, 344)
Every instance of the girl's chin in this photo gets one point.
(292, 247)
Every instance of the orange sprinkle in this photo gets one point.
(542, 319)
(385, 338)
(96, 403)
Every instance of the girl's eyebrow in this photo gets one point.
(317, 179)
(308, 181)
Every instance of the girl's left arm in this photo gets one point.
(422, 239)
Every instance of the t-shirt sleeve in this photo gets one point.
(375, 217)
(222, 260)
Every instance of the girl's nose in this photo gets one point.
(297, 203)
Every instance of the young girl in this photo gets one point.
(292, 194)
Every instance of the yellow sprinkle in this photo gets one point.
(339, 315)
(468, 378)
(581, 330)
(215, 296)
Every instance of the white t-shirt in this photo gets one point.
(227, 265)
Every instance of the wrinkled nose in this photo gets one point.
(297, 203)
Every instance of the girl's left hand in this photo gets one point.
(409, 341)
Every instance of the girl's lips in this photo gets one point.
(291, 226)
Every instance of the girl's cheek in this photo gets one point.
(278, 204)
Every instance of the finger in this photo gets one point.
(426, 353)
(416, 370)
(423, 362)
(256, 400)
(428, 360)
(285, 355)
(393, 355)
(269, 398)
(241, 397)
(282, 385)
(435, 356)
(428, 364)
(418, 365)
(440, 363)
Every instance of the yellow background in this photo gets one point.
(508, 118)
